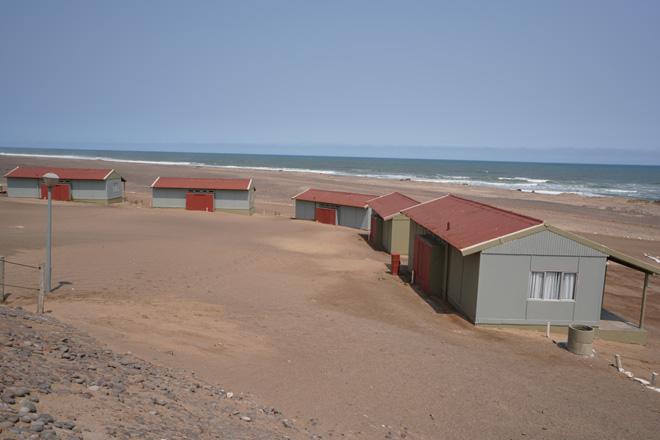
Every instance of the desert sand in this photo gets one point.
(306, 317)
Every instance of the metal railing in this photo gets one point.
(41, 281)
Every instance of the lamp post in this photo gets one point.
(50, 180)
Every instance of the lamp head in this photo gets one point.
(51, 179)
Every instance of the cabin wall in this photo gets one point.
(20, 187)
(305, 210)
(169, 198)
(505, 277)
(353, 217)
(400, 234)
(89, 190)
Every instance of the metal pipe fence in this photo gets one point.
(40, 281)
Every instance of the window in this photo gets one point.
(552, 286)
(115, 186)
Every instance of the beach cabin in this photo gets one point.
(79, 184)
(199, 194)
(334, 208)
(390, 230)
(501, 268)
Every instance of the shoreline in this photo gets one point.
(609, 216)
(337, 174)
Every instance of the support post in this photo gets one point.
(654, 378)
(641, 314)
(617, 362)
(2, 279)
(48, 240)
(42, 288)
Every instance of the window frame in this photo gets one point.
(543, 286)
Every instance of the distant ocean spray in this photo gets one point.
(627, 181)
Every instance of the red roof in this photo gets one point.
(465, 223)
(62, 173)
(200, 183)
(391, 204)
(335, 197)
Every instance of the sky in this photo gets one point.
(562, 78)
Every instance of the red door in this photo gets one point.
(327, 216)
(422, 264)
(199, 202)
(372, 232)
(59, 192)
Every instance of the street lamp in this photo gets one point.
(50, 180)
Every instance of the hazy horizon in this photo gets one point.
(510, 80)
(487, 154)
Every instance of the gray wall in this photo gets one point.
(114, 189)
(463, 281)
(504, 279)
(169, 198)
(358, 218)
(20, 187)
(231, 199)
(95, 189)
(305, 210)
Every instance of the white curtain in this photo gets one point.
(568, 286)
(536, 288)
(551, 285)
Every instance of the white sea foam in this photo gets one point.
(291, 170)
(524, 179)
(622, 191)
(481, 178)
(102, 158)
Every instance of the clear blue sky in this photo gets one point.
(312, 75)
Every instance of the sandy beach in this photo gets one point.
(306, 317)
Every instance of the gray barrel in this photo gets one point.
(581, 339)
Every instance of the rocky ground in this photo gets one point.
(58, 383)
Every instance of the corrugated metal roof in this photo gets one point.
(391, 204)
(63, 173)
(335, 197)
(471, 227)
(201, 183)
(465, 223)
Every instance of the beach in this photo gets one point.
(307, 319)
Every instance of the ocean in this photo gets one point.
(627, 181)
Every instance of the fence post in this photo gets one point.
(42, 286)
(2, 279)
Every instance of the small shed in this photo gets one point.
(199, 194)
(80, 184)
(502, 268)
(334, 208)
(390, 229)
